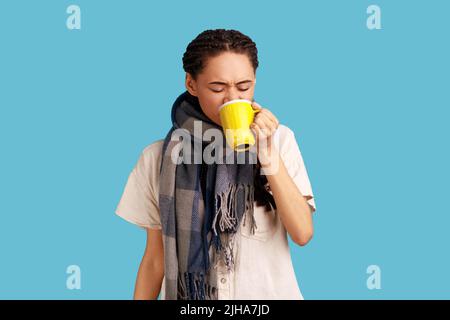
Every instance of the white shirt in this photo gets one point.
(263, 265)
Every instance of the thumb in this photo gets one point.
(256, 105)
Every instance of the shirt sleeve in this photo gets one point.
(139, 201)
(293, 160)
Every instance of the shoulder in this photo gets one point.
(149, 161)
(153, 150)
(285, 139)
(289, 149)
(284, 131)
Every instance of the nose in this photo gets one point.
(231, 94)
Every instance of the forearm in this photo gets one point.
(149, 280)
(292, 207)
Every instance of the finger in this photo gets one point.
(256, 132)
(260, 132)
(255, 128)
(262, 141)
(265, 131)
(256, 105)
(262, 124)
(268, 113)
(264, 121)
(271, 117)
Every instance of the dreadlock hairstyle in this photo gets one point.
(209, 44)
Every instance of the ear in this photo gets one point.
(191, 84)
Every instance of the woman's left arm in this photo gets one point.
(292, 207)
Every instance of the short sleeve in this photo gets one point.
(139, 201)
(293, 160)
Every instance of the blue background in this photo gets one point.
(369, 108)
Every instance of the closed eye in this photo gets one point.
(220, 90)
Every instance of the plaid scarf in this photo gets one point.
(201, 206)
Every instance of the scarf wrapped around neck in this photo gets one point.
(201, 205)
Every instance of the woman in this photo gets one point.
(219, 231)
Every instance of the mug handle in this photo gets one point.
(255, 111)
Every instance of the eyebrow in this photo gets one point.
(225, 83)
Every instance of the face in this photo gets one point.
(226, 77)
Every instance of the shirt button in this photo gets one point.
(223, 280)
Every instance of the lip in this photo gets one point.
(234, 101)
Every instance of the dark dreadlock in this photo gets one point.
(211, 43)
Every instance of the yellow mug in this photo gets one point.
(236, 117)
